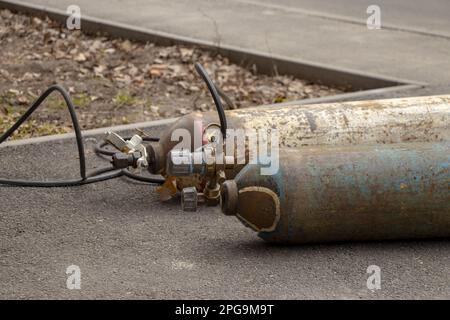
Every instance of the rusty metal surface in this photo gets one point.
(375, 121)
(361, 122)
(397, 191)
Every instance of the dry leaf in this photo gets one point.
(14, 92)
(126, 46)
(80, 57)
(156, 70)
(98, 70)
(23, 100)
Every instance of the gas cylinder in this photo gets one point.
(361, 122)
(346, 193)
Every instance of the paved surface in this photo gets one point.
(332, 32)
(129, 245)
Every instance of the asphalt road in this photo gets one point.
(129, 245)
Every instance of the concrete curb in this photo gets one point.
(89, 133)
(350, 96)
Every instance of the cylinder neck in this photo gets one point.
(229, 197)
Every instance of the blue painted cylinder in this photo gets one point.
(322, 194)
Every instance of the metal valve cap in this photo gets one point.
(189, 199)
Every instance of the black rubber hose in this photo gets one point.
(101, 174)
(133, 176)
(216, 97)
(101, 151)
(73, 116)
(104, 173)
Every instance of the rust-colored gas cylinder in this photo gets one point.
(362, 122)
(363, 192)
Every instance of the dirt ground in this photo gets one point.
(114, 81)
